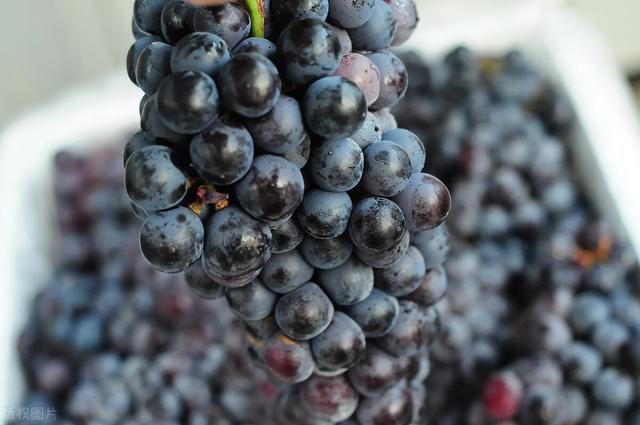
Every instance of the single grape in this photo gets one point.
(334, 107)
(326, 253)
(382, 259)
(425, 202)
(376, 315)
(375, 374)
(230, 22)
(285, 272)
(385, 118)
(394, 81)
(363, 72)
(587, 311)
(236, 244)
(137, 141)
(411, 144)
(378, 31)
(286, 11)
(134, 53)
(307, 50)
(171, 241)
(301, 153)
(305, 312)
(404, 276)
(154, 178)
(153, 64)
(288, 360)
(200, 51)
(406, 19)
(502, 395)
(432, 288)
(261, 46)
(329, 398)
(369, 133)
(347, 284)
(340, 345)
(287, 236)
(176, 20)
(272, 189)
(325, 215)
(414, 329)
(188, 101)
(201, 284)
(581, 362)
(249, 84)
(223, 153)
(394, 407)
(154, 128)
(279, 130)
(337, 165)
(387, 169)
(433, 245)
(351, 14)
(253, 301)
(147, 13)
(376, 224)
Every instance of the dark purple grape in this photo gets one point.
(223, 153)
(406, 19)
(188, 101)
(581, 362)
(154, 178)
(134, 53)
(376, 315)
(377, 224)
(279, 130)
(587, 311)
(253, 301)
(404, 276)
(286, 236)
(249, 84)
(285, 272)
(307, 50)
(363, 72)
(382, 259)
(201, 284)
(301, 153)
(337, 165)
(375, 373)
(272, 189)
(347, 284)
(200, 51)
(305, 312)
(609, 337)
(176, 20)
(369, 133)
(395, 407)
(325, 215)
(334, 107)
(286, 11)
(230, 22)
(414, 329)
(171, 241)
(154, 128)
(378, 31)
(137, 141)
(411, 144)
(331, 399)
(432, 288)
(425, 202)
(261, 46)
(351, 14)
(152, 66)
(394, 80)
(326, 253)
(613, 389)
(433, 245)
(236, 244)
(340, 345)
(387, 169)
(146, 15)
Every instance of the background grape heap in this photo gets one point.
(271, 172)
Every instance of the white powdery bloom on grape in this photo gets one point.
(363, 72)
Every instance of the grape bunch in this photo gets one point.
(269, 171)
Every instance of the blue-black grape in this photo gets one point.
(411, 144)
(613, 389)
(382, 259)
(406, 19)
(134, 53)
(334, 107)
(378, 31)
(432, 288)
(176, 20)
(188, 101)
(326, 253)
(147, 13)
(301, 153)
(325, 215)
(404, 276)
(287, 236)
(394, 79)
(288, 360)
(136, 31)
(171, 241)
(253, 301)
(154, 178)
(272, 189)
(331, 399)
(343, 36)
(261, 46)
(223, 153)
(286, 11)
(581, 362)
(285, 272)
(200, 51)
(153, 65)
(425, 202)
(395, 407)
(137, 141)
(351, 14)
(236, 244)
(415, 328)
(281, 129)
(154, 128)
(249, 84)
(305, 312)
(201, 284)
(349, 283)
(369, 133)
(587, 311)
(230, 22)
(433, 245)
(376, 315)
(376, 224)
(337, 165)
(375, 373)
(340, 345)
(143, 102)
(387, 169)
(307, 50)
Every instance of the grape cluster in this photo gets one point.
(270, 171)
